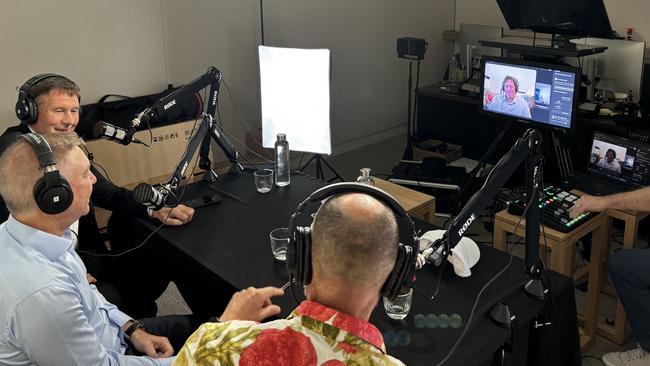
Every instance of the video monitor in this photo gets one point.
(572, 18)
(620, 158)
(543, 94)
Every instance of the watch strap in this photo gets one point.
(135, 325)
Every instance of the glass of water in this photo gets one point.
(399, 307)
(263, 180)
(279, 243)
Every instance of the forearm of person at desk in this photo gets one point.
(638, 200)
(120, 200)
(62, 335)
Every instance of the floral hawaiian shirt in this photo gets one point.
(312, 335)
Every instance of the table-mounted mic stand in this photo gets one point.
(526, 148)
(209, 130)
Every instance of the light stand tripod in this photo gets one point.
(318, 160)
(410, 122)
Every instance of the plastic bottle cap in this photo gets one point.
(282, 137)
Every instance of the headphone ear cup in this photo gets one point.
(306, 256)
(295, 255)
(292, 255)
(53, 198)
(32, 111)
(26, 109)
(401, 273)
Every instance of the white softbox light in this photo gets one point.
(295, 92)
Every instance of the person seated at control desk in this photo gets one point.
(508, 101)
(628, 270)
(49, 313)
(609, 162)
(331, 326)
(49, 103)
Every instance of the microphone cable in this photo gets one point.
(478, 296)
(176, 198)
(241, 119)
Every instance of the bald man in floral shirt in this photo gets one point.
(331, 327)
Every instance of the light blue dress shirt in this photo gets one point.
(518, 107)
(49, 314)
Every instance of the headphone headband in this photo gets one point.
(27, 86)
(41, 148)
(299, 251)
(26, 108)
(350, 187)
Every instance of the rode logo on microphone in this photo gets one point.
(169, 105)
(467, 223)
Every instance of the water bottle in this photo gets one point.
(282, 177)
(365, 177)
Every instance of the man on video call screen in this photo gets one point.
(508, 101)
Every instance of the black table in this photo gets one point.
(231, 240)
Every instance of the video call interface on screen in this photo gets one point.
(543, 95)
(620, 158)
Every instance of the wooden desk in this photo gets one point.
(563, 250)
(620, 332)
(416, 203)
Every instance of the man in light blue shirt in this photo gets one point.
(49, 314)
(508, 101)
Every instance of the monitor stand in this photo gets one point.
(559, 47)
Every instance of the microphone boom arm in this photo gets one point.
(525, 148)
(208, 129)
(211, 78)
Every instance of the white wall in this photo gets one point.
(369, 81)
(220, 33)
(622, 14)
(105, 46)
(137, 47)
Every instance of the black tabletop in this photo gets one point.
(231, 240)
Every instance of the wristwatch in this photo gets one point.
(135, 325)
(150, 212)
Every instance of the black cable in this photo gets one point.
(176, 198)
(241, 119)
(473, 311)
(91, 159)
(435, 292)
(223, 130)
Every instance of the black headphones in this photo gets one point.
(514, 81)
(299, 250)
(52, 193)
(26, 108)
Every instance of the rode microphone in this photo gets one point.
(149, 196)
(114, 133)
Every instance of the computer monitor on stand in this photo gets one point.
(542, 95)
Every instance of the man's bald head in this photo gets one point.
(354, 241)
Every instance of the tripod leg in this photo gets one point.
(338, 176)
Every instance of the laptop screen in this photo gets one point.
(619, 158)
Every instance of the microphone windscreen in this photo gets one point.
(143, 193)
(99, 129)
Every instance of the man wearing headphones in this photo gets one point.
(49, 313)
(49, 103)
(331, 326)
(508, 101)
(609, 162)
